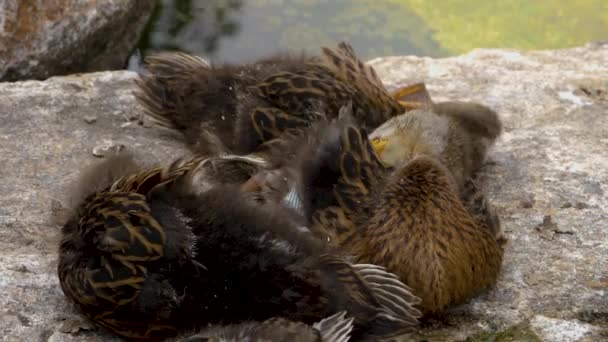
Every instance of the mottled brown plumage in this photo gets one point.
(116, 257)
(238, 107)
(154, 253)
(420, 230)
(336, 328)
(408, 218)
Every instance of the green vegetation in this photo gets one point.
(461, 25)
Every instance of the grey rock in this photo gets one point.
(554, 150)
(40, 38)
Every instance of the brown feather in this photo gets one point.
(239, 107)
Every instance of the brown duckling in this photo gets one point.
(336, 328)
(239, 107)
(150, 255)
(457, 134)
(407, 217)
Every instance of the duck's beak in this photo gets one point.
(379, 144)
(410, 105)
(408, 90)
(412, 96)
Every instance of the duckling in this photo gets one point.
(336, 328)
(407, 217)
(150, 255)
(238, 107)
(457, 134)
(414, 223)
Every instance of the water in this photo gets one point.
(242, 30)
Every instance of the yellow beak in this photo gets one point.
(379, 144)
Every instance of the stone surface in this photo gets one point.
(552, 157)
(42, 38)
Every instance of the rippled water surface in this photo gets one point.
(240, 30)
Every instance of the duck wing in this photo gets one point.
(382, 306)
(115, 252)
(357, 172)
(326, 84)
(373, 104)
(185, 93)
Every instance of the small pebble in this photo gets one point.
(90, 119)
(21, 269)
(72, 326)
(546, 228)
(107, 148)
(527, 204)
(133, 116)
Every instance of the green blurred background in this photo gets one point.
(241, 30)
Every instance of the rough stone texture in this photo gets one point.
(547, 176)
(43, 38)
